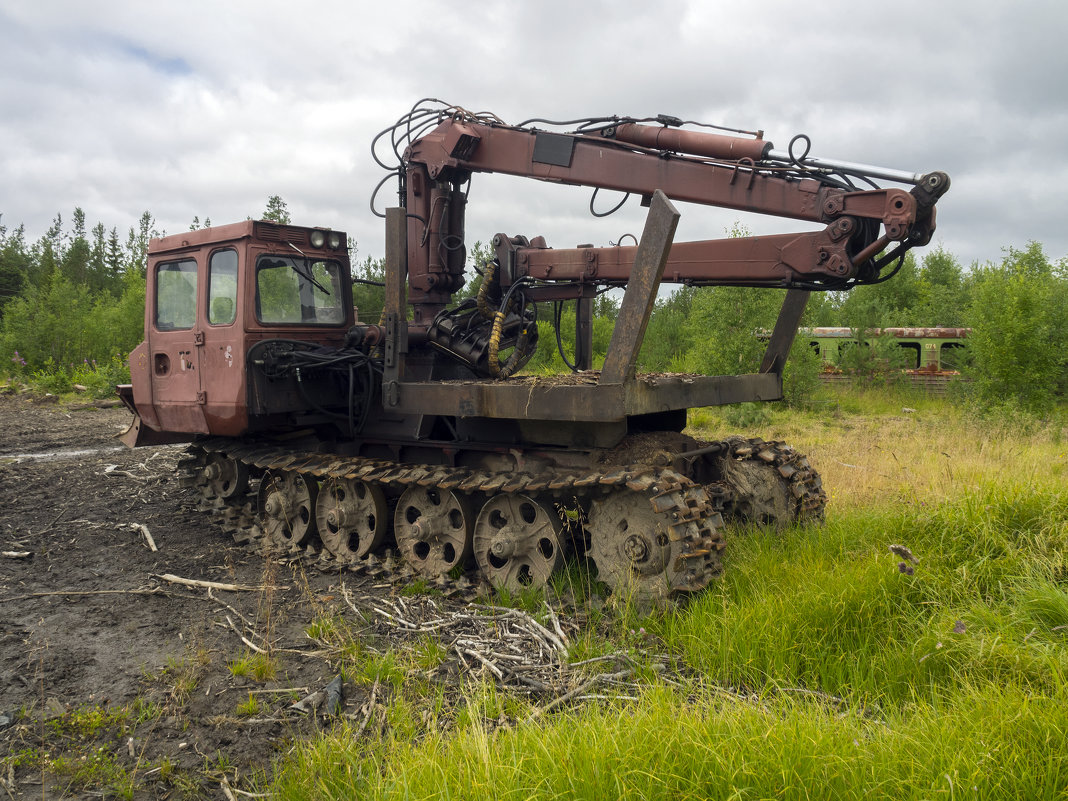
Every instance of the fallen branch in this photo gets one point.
(238, 614)
(245, 639)
(370, 709)
(578, 691)
(111, 470)
(151, 543)
(49, 527)
(153, 591)
(212, 585)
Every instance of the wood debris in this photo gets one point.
(509, 647)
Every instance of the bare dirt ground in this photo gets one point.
(112, 677)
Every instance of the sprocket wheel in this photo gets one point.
(517, 542)
(352, 517)
(629, 543)
(433, 529)
(650, 544)
(770, 484)
(287, 506)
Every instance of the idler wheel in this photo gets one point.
(224, 477)
(433, 529)
(630, 544)
(287, 507)
(352, 517)
(517, 542)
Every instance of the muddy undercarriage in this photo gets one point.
(649, 514)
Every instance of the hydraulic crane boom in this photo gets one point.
(690, 166)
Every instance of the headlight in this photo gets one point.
(317, 239)
(335, 240)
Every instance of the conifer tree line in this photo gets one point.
(74, 300)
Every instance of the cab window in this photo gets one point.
(176, 295)
(222, 287)
(296, 291)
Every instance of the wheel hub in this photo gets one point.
(352, 517)
(636, 548)
(287, 502)
(504, 544)
(517, 541)
(433, 529)
(275, 505)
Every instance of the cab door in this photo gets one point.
(175, 342)
(222, 356)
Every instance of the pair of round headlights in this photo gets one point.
(332, 239)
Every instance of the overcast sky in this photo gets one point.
(207, 108)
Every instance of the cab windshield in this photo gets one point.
(297, 291)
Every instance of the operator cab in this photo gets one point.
(213, 294)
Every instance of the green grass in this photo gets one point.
(260, 667)
(828, 608)
(815, 667)
(991, 742)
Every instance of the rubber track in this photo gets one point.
(693, 520)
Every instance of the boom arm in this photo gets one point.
(698, 167)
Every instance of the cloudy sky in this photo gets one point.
(207, 108)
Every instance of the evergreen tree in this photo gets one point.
(98, 269)
(276, 210)
(137, 242)
(75, 262)
(14, 263)
(114, 266)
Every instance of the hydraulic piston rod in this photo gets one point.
(849, 167)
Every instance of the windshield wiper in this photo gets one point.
(306, 275)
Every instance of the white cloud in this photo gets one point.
(205, 109)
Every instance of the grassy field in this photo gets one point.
(821, 664)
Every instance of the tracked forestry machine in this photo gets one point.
(418, 430)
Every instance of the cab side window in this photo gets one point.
(176, 295)
(222, 287)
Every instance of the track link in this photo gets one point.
(690, 521)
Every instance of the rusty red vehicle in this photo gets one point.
(419, 431)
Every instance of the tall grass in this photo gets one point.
(992, 742)
(822, 664)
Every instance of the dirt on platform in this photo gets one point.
(114, 680)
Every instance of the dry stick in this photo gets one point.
(153, 591)
(370, 709)
(16, 554)
(243, 618)
(214, 585)
(834, 699)
(556, 622)
(348, 599)
(563, 699)
(496, 670)
(111, 471)
(48, 528)
(244, 639)
(617, 656)
(580, 690)
(146, 534)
